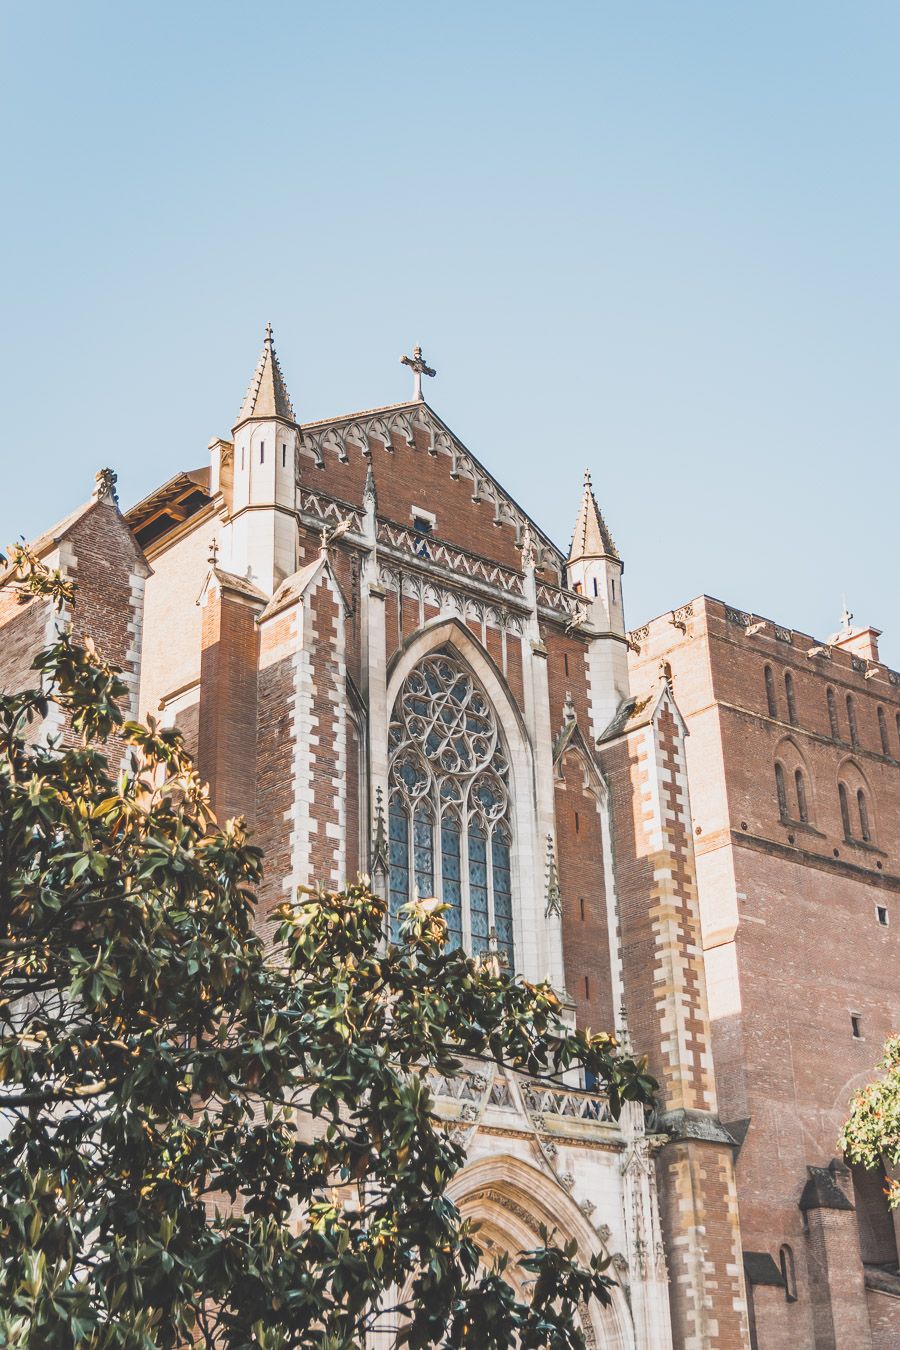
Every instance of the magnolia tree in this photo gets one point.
(203, 1138)
(871, 1135)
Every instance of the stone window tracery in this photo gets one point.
(449, 807)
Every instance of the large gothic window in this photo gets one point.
(449, 805)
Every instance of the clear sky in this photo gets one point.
(659, 239)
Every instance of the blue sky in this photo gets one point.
(657, 239)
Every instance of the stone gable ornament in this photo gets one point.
(105, 487)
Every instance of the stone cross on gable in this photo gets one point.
(417, 365)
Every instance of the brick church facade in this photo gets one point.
(387, 667)
(794, 763)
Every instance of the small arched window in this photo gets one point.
(845, 811)
(832, 714)
(883, 732)
(851, 721)
(770, 692)
(864, 830)
(789, 694)
(781, 790)
(788, 1273)
(802, 806)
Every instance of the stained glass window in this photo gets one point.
(450, 828)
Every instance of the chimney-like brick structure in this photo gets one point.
(228, 689)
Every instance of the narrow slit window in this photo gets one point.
(789, 695)
(883, 732)
(262, 452)
(566, 662)
(596, 591)
(864, 830)
(284, 456)
(845, 811)
(771, 701)
(577, 822)
(781, 790)
(581, 907)
(856, 1026)
(802, 805)
(587, 987)
(881, 915)
(851, 721)
(833, 714)
(786, 1261)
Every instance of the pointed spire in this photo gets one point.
(369, 494)
(591, 538)
(267, 395)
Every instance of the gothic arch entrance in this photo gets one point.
(510, 1200)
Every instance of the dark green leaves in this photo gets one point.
(204, 1139)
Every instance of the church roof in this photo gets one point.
(591, 538)
(267, 395)
(169, 505)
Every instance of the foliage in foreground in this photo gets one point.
(871, 1134)
(205, 1137)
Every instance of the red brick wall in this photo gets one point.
(227, 714)
(99, 554)
(584, 921)
(789, 913)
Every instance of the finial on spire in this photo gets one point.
(369, 485)
(591, 538)
(417, 365)
(267, 395)
(213, 558)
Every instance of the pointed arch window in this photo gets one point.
(802, 803)
(781, 790)
(771, 701)
(789, 695)
(449, 816)
(883, 732)
(851, 721)
(833, 714)
(845, 811)
(864, 829)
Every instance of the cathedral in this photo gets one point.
(387, 667)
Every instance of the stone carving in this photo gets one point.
(105, 486)
(446, 598)
(577, 608)
(738, 616)
(553, 894)
(361, 430)
(783, 634)
(680, 617)
(326, 513)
